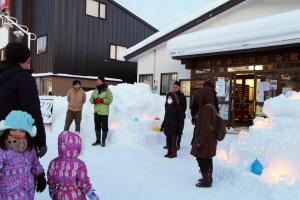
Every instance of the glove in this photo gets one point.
(42, 151)
(51, 193)
(98, 100)
(40, 182)
(161, 129)
(92, 195)
(193, 120)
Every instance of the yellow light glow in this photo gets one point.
(261, 123)
(146, 117)
(281, 171)
(115, 125)
(222, 155)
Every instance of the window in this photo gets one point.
(102, 11)
(41, 44)
(117, 52)
(167, 80)
(95, 9)
(186, 87)
(146, 78)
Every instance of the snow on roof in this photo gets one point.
(73, 76)
(176, 25)
(268, 31)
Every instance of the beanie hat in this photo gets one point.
(177, 83)
(17, 119)
(101, 78)
(17, 52)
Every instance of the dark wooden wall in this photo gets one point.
(78, 43)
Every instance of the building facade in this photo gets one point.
(82, 37)
(259, 61)
(159, 69)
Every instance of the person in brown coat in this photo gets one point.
(76, 98)
(173, 123)
(204, 142)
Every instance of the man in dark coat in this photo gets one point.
(204, 142)
(18, 90)
(182, 103)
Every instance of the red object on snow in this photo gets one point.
(4, 4)
(157, 118)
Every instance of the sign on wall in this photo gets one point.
(47, 109)
(220, 87)
(4, 34)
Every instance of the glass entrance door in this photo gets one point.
(243, 100)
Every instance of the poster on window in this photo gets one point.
(46, 109)
(263, 86)
(224, 111)
(221, 87)
(261, 96)
(273, 85)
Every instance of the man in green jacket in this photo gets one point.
(101, 98)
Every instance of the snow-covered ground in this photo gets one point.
(132, 166)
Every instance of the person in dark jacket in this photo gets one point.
(182, 103)
(18, 90)
(173, 123)
(204, 142)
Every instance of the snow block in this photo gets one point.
(257, 167)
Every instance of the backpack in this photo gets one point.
(220, 128)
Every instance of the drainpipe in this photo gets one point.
(154, 72)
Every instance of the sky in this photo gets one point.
(161, 13)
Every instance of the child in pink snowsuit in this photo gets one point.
(67, 174)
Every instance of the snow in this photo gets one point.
(268, 31)
(73, 76)
(132, 165)
(176, 25)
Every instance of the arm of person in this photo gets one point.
(108, 98)
(68, 96)
(84, 182)
(84, 97)
(36, 168)
(92, 97)
(30, 102)
(184, 104)
(206, 120)
(50, 179)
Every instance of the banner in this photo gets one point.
(4, 4)
(46, 109)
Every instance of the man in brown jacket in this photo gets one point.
(204, 142)
(76, 98)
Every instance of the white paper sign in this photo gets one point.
(220, 87)
(224, 111)
(261, 96)
(263, 86)
(273, 85)
(46, 109)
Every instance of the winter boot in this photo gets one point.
(200, 179)
(104, 135)
(173, 153)
(178, 142)
(207, 178)
(169, 152)
(98, 138)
